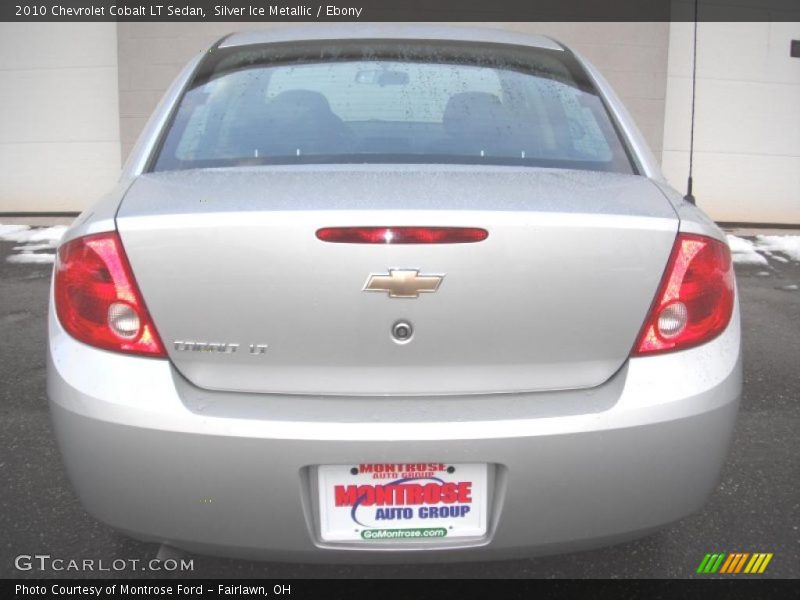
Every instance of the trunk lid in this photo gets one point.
(552, 299)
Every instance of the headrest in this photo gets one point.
(472, 111)
(302, 99)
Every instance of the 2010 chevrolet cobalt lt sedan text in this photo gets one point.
(382, 293)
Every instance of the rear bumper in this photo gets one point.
(233, 474)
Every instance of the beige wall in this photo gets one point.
(59, 123)
(76, 98)
(747, 120)
(633, 56)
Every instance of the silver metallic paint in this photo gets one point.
(231, 254)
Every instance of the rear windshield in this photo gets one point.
(378, 103)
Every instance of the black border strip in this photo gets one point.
(481, 11)
(731, 588)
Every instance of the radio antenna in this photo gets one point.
(689, 197)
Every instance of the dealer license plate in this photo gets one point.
(406, 501)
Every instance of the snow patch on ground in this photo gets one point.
(744, 252)
(33, 239)
(32, 257)
(24, 234)
(7, 232)
(785, 244)
(780, 248)
(32, 247)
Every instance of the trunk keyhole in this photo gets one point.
(402, 331)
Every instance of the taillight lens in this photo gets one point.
(695, 300)
(97, 300)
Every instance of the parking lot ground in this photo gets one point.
(755, 508)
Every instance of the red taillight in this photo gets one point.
(97, 301)
(402, 235)
(695, 300)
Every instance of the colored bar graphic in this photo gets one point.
(758, 563)
(765, 563)
(749, 566)
(717, 565)
(703, 563)
(711, 563)
(735, 563)
(757, 558)
(741, 562)
(728, 564)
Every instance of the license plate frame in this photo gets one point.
(402, 502)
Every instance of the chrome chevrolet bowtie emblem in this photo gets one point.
(403, 283)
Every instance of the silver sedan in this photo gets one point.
(392, 293)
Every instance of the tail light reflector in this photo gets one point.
(695, 299)
(97, 300)
(402, 235)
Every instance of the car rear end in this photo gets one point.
(417, 327)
